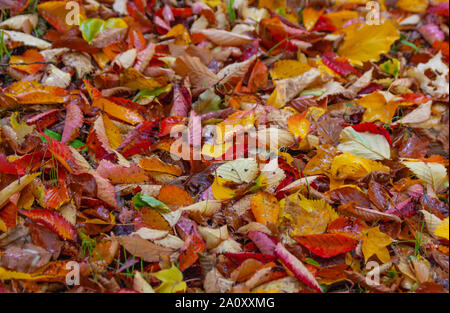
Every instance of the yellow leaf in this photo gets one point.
(365, 42)
(310, 17)
(8, 275)
(339, 18)
(180, 34)
(375, 242)
(349, 166)
(288, 68)
(299, 125)
(212, 3)
(377, 109)
(216, 150)
(3, 227)
(220, 190)
(442, 229)
(308, 216)
(112, 132)
(391, 67)
(415, 6)
(132, 78)
(16, 186)
(117, 111)
(265, 208)
(172, 280)
(236, 123)
(276, 100)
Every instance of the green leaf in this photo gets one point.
(152, 94)
(312, 262)
(51, 134)
(143, 200)
(90, 28)
(316, 93)
(231, 11)
(391, 67)
(172, 280)
(207, 102)
(78, 144)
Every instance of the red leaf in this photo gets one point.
(8, 214)
(62, 153)
(140, 139)
(73, 124)
(54, 221)
(16, 6)
(327, 245)
(441, 8)
(324, 24)
(338, 65)
(192, 245)
(374, 129)
(10, 168)
(297, 267)
(45, 119)
(241, 257)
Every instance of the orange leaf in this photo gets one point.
(56, 13)
(327, 245)
(29, 56)
(154, 164)
(120, 112)
(299, 125)
(174, 196)
(32, 92)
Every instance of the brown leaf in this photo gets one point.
(144, 249)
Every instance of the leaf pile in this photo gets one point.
(224, 146)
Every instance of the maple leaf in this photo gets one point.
(375, 242)
(172, 280)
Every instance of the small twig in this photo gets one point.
(29, 63)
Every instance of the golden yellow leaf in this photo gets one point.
(220, 190)
(308, 216)
(288, 68)
(375, 242)
(349, 166)
(310, 17)
(180, 34)
(339, 18)
(442, 229)
(112, 132)
(415, 6)
(365, 42)
(377, 108)
(265, 208)
(8, 275)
